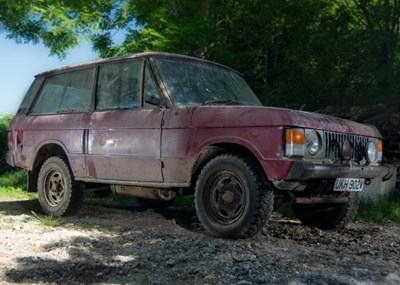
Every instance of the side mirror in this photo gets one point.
(152, 100)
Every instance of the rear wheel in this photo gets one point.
(232, 197)
(59, 194)
(328, 216)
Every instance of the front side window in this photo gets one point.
(152, 95)
(197, 83)
(67, 92)
(118, 85)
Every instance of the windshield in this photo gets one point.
(195, 83)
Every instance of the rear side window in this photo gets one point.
(30, 96)
(67, 92)
(118, 85)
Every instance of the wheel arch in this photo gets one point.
(213, 150)
(44, 152)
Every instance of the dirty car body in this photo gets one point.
(155, 125)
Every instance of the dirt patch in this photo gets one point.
(133, 245)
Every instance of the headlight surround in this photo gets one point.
(373, 151)
(313, 142)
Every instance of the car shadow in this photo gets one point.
(20, 207)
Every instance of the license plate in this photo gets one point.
(349, 184)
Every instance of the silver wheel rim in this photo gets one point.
(54, 187)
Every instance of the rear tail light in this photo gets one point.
(10, 140)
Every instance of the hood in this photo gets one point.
(250, 116)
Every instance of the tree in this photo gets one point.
(293, 52)
(59, 24)
(266, 40)
(378, 25)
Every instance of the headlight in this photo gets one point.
(374, 151)
(313, 142)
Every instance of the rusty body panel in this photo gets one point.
(125, 145)
(188, 131)
(65, 130)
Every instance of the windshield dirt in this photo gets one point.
(195, 83)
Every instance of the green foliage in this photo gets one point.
(313, 52)
(4, 123)
(309, 52)
(60, 25)
(381, 209)
(13, 184)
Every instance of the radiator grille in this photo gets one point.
(333, 145)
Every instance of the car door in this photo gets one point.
(124, 135)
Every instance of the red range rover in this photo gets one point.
(155, 125)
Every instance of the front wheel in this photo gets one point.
(232, 197)
(58, 192)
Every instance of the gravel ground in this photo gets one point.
(110, 244)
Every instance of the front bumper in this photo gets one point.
(10, 158)
(301, 171)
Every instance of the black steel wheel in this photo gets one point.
(232, 197)
(58, 193)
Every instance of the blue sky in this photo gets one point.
(19, 63)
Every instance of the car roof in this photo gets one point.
(120, 58)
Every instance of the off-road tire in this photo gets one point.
(232, 197)
(328, 216)
(59, 194)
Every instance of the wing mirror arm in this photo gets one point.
(153, 100)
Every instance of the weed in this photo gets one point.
(381, 209)
(286, 211)
(50, 221)
(13, 184)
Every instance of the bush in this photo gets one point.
(13, 184)
(4, 123)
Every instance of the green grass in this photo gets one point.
(185, 202)
(13, 184)
(50, 221)
(380, 210)
(6, 227)
(286, 211)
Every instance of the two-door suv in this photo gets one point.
(157, 125)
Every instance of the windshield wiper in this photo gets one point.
(221, 102)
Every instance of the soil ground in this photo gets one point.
(121, 244)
